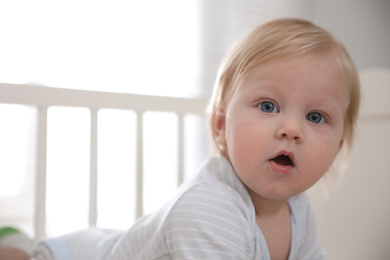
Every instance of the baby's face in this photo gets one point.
(284, 127)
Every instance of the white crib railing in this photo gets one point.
(44, 97)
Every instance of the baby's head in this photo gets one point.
(287, 38)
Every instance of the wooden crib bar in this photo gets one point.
(44, 97)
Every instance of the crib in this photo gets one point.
(42, 98)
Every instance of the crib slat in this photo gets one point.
(180, 161)
(44, 97)
(40, 192)
(139, 173)
(93, 170)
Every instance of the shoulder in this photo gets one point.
(205, 200)
(215, 190)
(308, 242)
(208, 217)
(303, 214)
(300, 205)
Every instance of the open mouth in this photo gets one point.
(283, 160)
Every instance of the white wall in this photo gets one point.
(363, 26)
(353, 222)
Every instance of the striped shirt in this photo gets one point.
(211, 217)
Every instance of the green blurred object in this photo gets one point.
(4, 231)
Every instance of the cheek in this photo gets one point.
(322, 157)
(236, 137)
(246, 139)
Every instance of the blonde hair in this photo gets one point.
(287, 38)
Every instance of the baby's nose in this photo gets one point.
(290, 129)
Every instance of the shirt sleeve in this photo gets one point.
(52, 249)
(90, 243)
(207, 223)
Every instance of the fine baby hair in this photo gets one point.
(287, 38)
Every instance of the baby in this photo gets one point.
(285, 102)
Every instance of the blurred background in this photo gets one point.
(173, 48)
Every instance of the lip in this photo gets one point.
(282, 169)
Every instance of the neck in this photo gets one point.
(274, 221)
(265, 207)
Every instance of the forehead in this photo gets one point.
(315, 76)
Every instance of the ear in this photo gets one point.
(219, 126)
(340, 145)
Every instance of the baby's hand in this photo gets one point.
(10, 253)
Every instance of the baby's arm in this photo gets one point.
(14, 244)
(90, 243)
(10, 253)
(42, 252)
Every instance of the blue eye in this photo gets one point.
(268, 107)
(315, 118)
